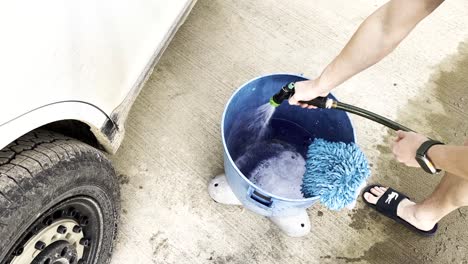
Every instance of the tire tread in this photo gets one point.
(24, 162)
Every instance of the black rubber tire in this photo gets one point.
(43, 168)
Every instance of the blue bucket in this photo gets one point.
(331, 125)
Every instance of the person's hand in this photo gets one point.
(306, 91)
(405, 146)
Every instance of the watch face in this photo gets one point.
(426, 164)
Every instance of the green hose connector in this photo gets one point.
(273, 103)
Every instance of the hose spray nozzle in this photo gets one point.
(283, 94)
(288, 90)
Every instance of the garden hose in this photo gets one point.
(328, 103)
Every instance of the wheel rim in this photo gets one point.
(68, 233)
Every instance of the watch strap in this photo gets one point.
(422, 150)
(421, 156)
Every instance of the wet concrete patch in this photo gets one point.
(451, 87)
(364, 218)
(349, 260)
(441, 113)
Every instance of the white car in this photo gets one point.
(70, 71)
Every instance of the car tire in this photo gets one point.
(59, 201)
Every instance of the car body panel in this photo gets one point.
(70, 110)
(79, 60)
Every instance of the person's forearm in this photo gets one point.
(453, 159)
(375, 38)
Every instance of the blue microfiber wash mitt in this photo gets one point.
(334, 171)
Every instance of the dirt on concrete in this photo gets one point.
(173, 143)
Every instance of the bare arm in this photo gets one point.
(453, 159)
(375, 38)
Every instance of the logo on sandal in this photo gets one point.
(391, 196)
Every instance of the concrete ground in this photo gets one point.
(173, 145)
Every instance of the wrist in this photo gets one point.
(331, 77)
(434, 154)
(324, 84)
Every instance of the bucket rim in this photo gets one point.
(229, 155)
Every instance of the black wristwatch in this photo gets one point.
(423, 159)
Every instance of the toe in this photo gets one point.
(374, 194)
(370, 198)
(376, 191)
(383, 189)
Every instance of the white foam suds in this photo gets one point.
(281, 175)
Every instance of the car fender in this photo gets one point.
(103, 128)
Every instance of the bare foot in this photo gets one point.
(407, 210)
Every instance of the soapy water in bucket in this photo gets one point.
(275, 167)
(270, 151)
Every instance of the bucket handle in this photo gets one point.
(260, 198)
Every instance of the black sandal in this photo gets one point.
(387, 205)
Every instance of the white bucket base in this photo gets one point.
(294, 226)
(219, 190)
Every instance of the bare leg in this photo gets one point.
(450, 194)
